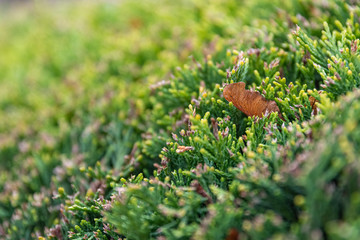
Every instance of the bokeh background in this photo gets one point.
(91, 93)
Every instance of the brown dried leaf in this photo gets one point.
(249, 102)
(313, 102)
(233, 234)
(181, 149)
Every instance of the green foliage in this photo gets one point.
(94, 146)
(336, 56)
(333, 172)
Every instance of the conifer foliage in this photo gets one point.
(144, 158)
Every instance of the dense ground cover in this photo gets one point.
(94, 144)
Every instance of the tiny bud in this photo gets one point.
(174, 136)
(251, 154)
(299, 200)
(337, 76)
(61, 191)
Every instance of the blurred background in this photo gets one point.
(75, 88)
(75, 81)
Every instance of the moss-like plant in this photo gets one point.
(94, 145)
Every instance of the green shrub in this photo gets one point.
(94, 146)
